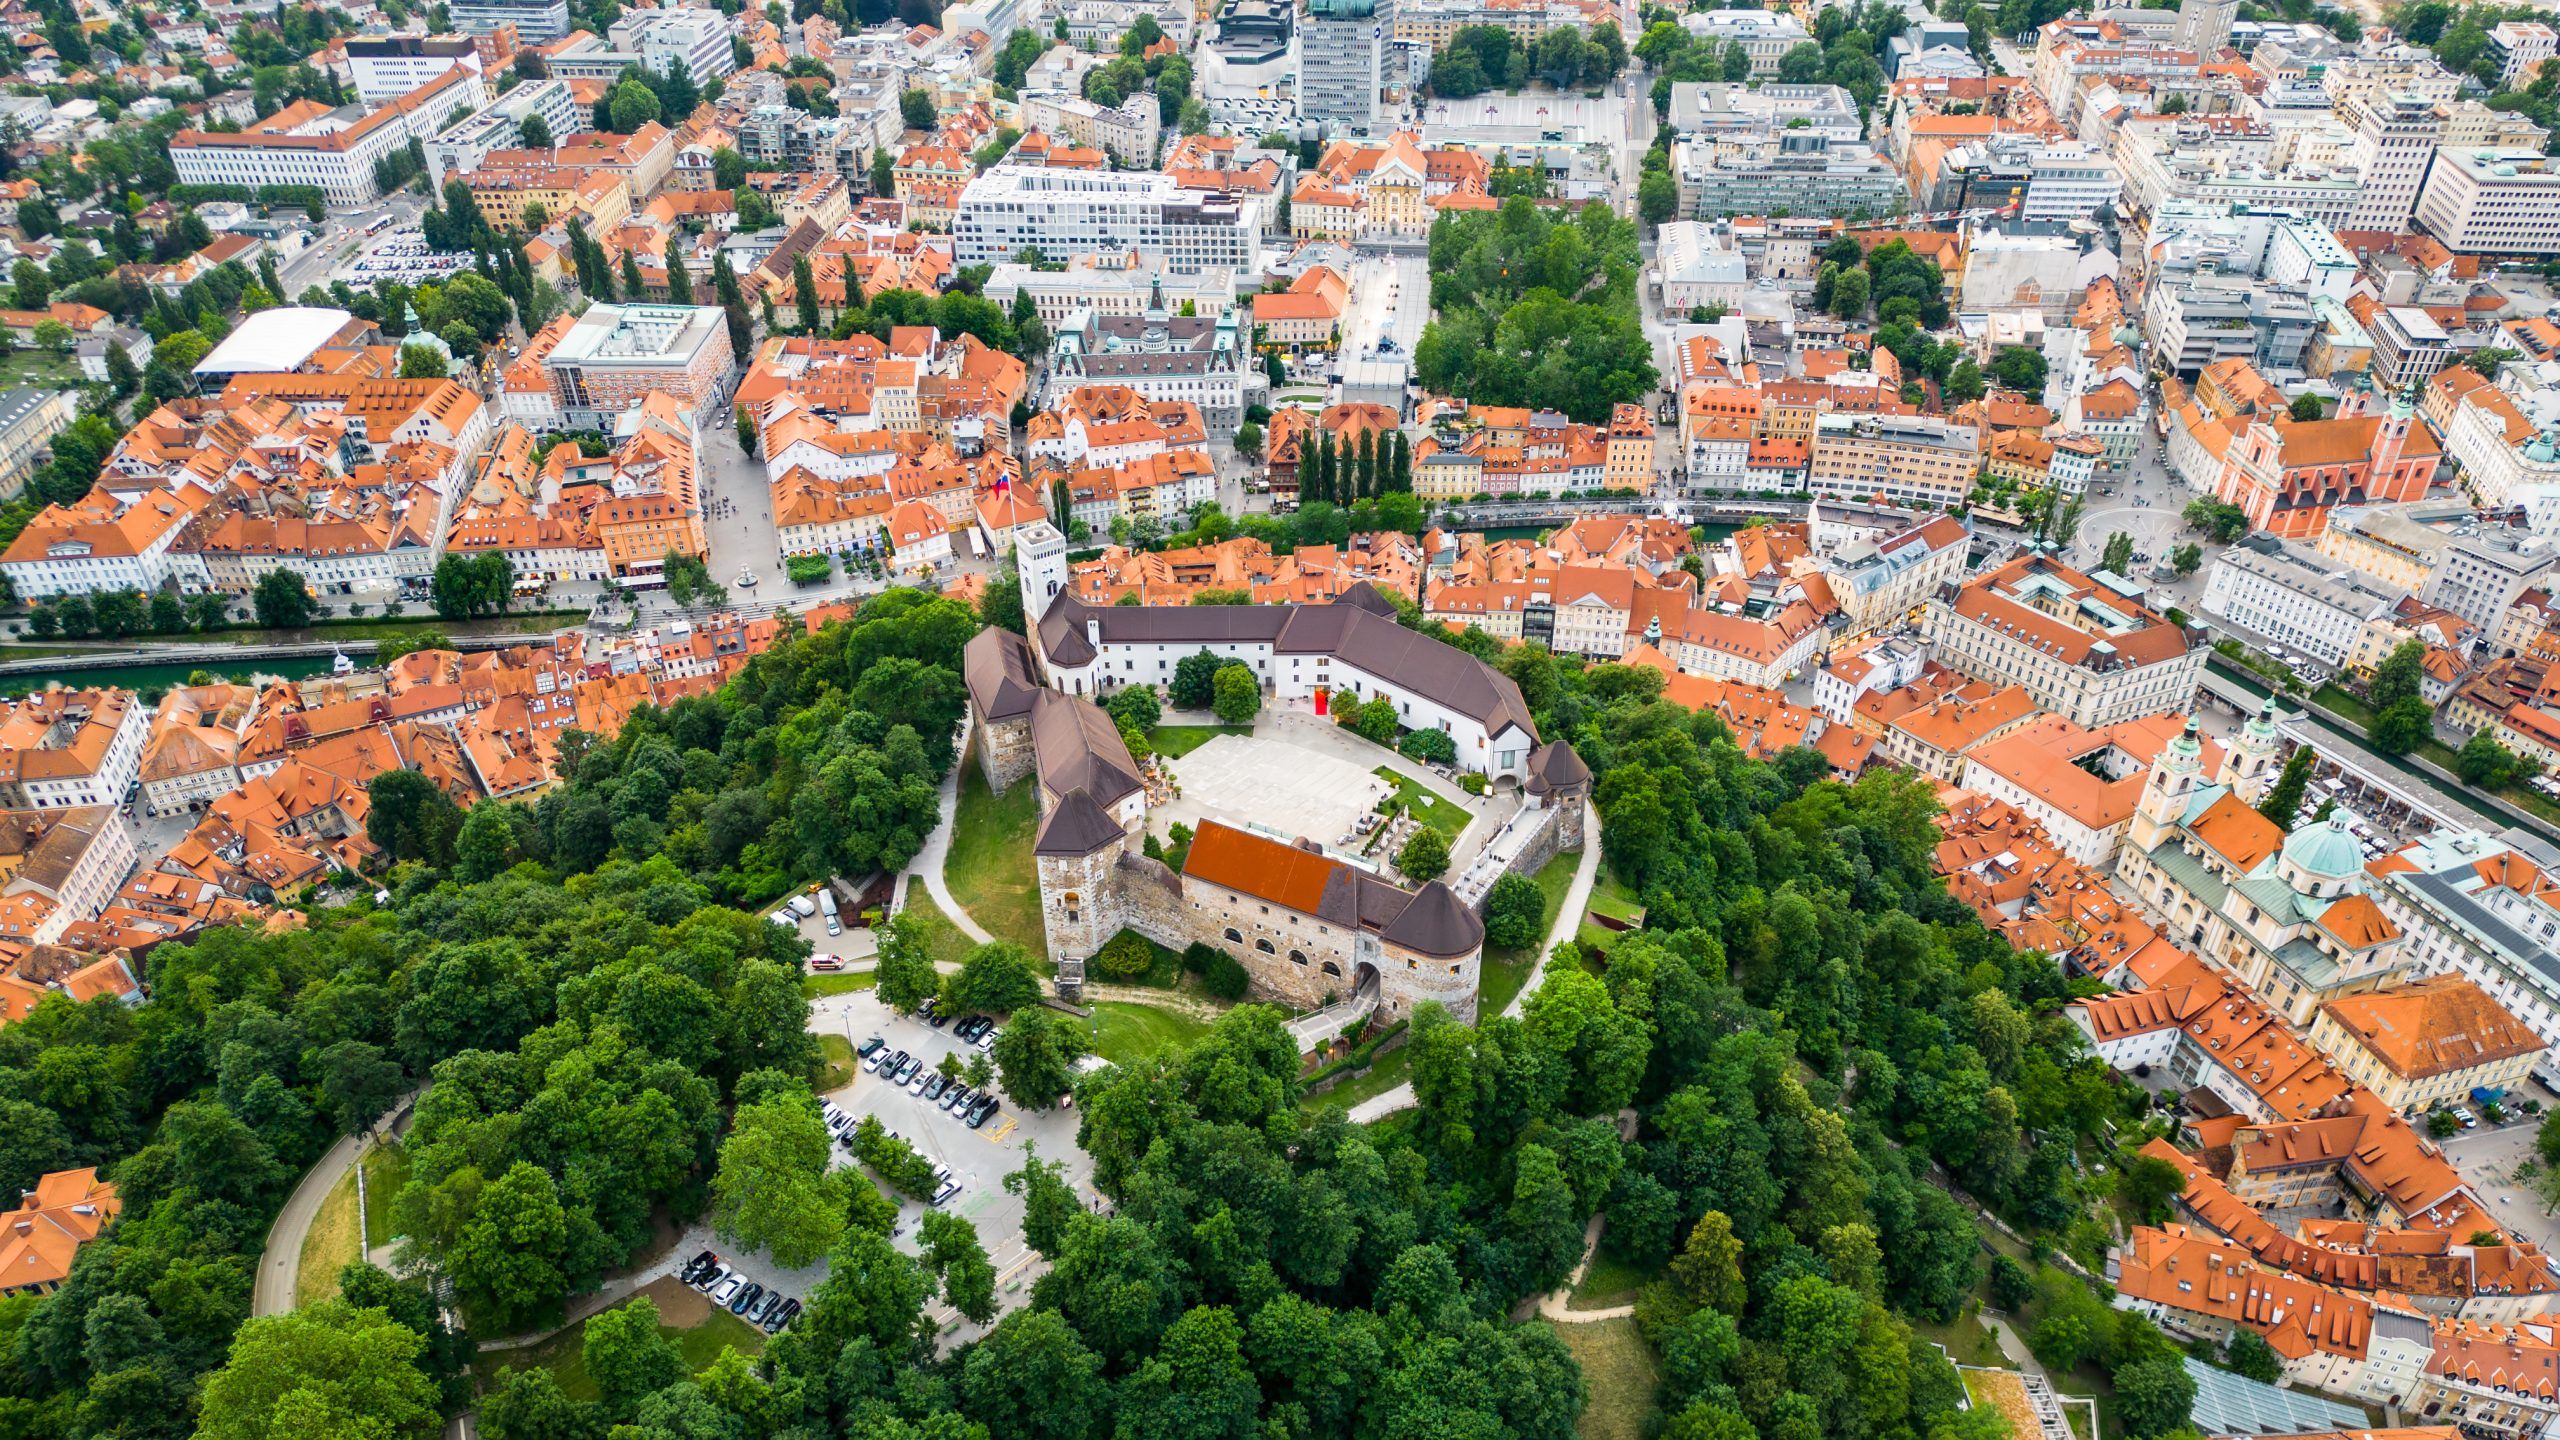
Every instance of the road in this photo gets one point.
(340, 238)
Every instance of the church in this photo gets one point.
(1310, 928)
(2291, 915)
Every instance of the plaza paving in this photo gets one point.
(1285, 790)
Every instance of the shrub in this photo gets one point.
(1430, 746)
(1126, 957)
(807, 569)
(1473, 783)
(1224, 978)
(1513, 912)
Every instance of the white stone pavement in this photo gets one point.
(929, 861)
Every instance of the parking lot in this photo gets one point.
(403, 258)
(979, 1159)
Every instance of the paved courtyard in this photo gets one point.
(2488, 1156)
(1281, 788)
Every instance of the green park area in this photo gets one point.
(990, 871)
(699, 1330)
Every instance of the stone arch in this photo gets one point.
(1265, 947)
(1298, 957)
(1235, 935)
(1332, 969)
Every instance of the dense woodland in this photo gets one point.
(1535, 310)
(1811, 1039)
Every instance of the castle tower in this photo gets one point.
(2249, 764)
(1040, 560)
(2172, 782)
(1077, 855)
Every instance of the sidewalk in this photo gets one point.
(930, 860)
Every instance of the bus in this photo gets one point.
(379, 224)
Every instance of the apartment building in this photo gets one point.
(464, 146)
(536, 22)
(1908, 460)
(2083, 650)
(1881, 581)
(62, 748)
(2080, 784)
(1128, 131)
(2486, 908)
(2428, 1043)
(40, 1238)
(2483, 570)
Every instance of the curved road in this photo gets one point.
(281, 1265)
(1568, 921)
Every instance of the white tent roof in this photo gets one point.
(273, 341)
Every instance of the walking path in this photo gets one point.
(930, 860)
(1556, 1304)
(1568, 921)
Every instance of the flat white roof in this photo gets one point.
(273, 342)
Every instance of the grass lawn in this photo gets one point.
(1175, 741)
(1123, 1033)
(1434, 809)
(1967, 1339)
(990, 871)
(1618, 1370)
(331, 1243)
(1384, 1074)
(839, 983)
(386, 1169)
(1505, 971)
(1611, 1282)
(45, 371)
(838, 1053)
(1612, 899)
(942, 939)
(701, 1339)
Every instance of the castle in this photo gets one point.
(1309, 929)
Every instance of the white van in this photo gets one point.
(827, 903)
(803, 906)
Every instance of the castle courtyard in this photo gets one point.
(1299, 776)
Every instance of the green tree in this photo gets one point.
(2402, 727)
(1515, 913)
(2221, 523)
(325, 1369)
(282, 600)
(952, 1252)
(2118, 556)
(2483, 762)
(534, 133)
(1964, 384)
(1849, 295)
(1236, 695)
(411, 817)
(2248, 1354)
(628, 1357)
(2154, 1396)
(2187, 558)
(904, 976)
(772, 1191)
(1034, 1056)
(1195, 679)
(996, 979)
(2304, 407)
(1657, 197)
(917, 109)
(1135, 706)
(1425, 855)
(2400, 675)
(804, 288)
(679, 284)
(509, 1263)
(633, 105)
(1708, 1270)
(2284, 798)
(486, 845)
(2019, 368)
(423, 362)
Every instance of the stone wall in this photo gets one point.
(1547, 839)
(1081, 904)
(1406, 979)
(1004, 752)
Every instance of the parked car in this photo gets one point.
(803, 906)
(943, 1196)
(697, 1267)
(765, 1307)
(951, 1099)
(870, 1047)
(986, 1111)
(789, 1312)
(987, 1041)
(825, 964)
(915, 1086)
(713, 1278)
(934, 1085)
(907, 1069)
(746, 1299)
(727, 1291)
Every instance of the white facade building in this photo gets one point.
(2298, 602)
(1012, 208)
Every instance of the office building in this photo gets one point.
(332, 150)
(537, 22)
(389, 66)
(2408, 348)
(1789, 172)
(29, 419)
(1196, 359)
(1339, 44)
(2396, 137)
(2284, 596)
(1764, 35)
(2482, 570)
(461, 148)
(2204, 26)
(616, 354)
(1128, 131)
(2520, 47)
(1011, 208)
(653, 40)
(2091, 652)
(2504, 202)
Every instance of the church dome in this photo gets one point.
(2325, 850)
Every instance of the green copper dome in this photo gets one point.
(2325, 849)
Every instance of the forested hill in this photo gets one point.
(1808, 1024)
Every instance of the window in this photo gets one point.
(1332, 969)
(1232, 934)
(1265, 947)
(1298, 957)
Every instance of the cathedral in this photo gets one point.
(2292, 916)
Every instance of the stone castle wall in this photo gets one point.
(1004, 752)
(1081, 904)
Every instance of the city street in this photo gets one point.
(737, 506)
(340, 238)
(1390, 298)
